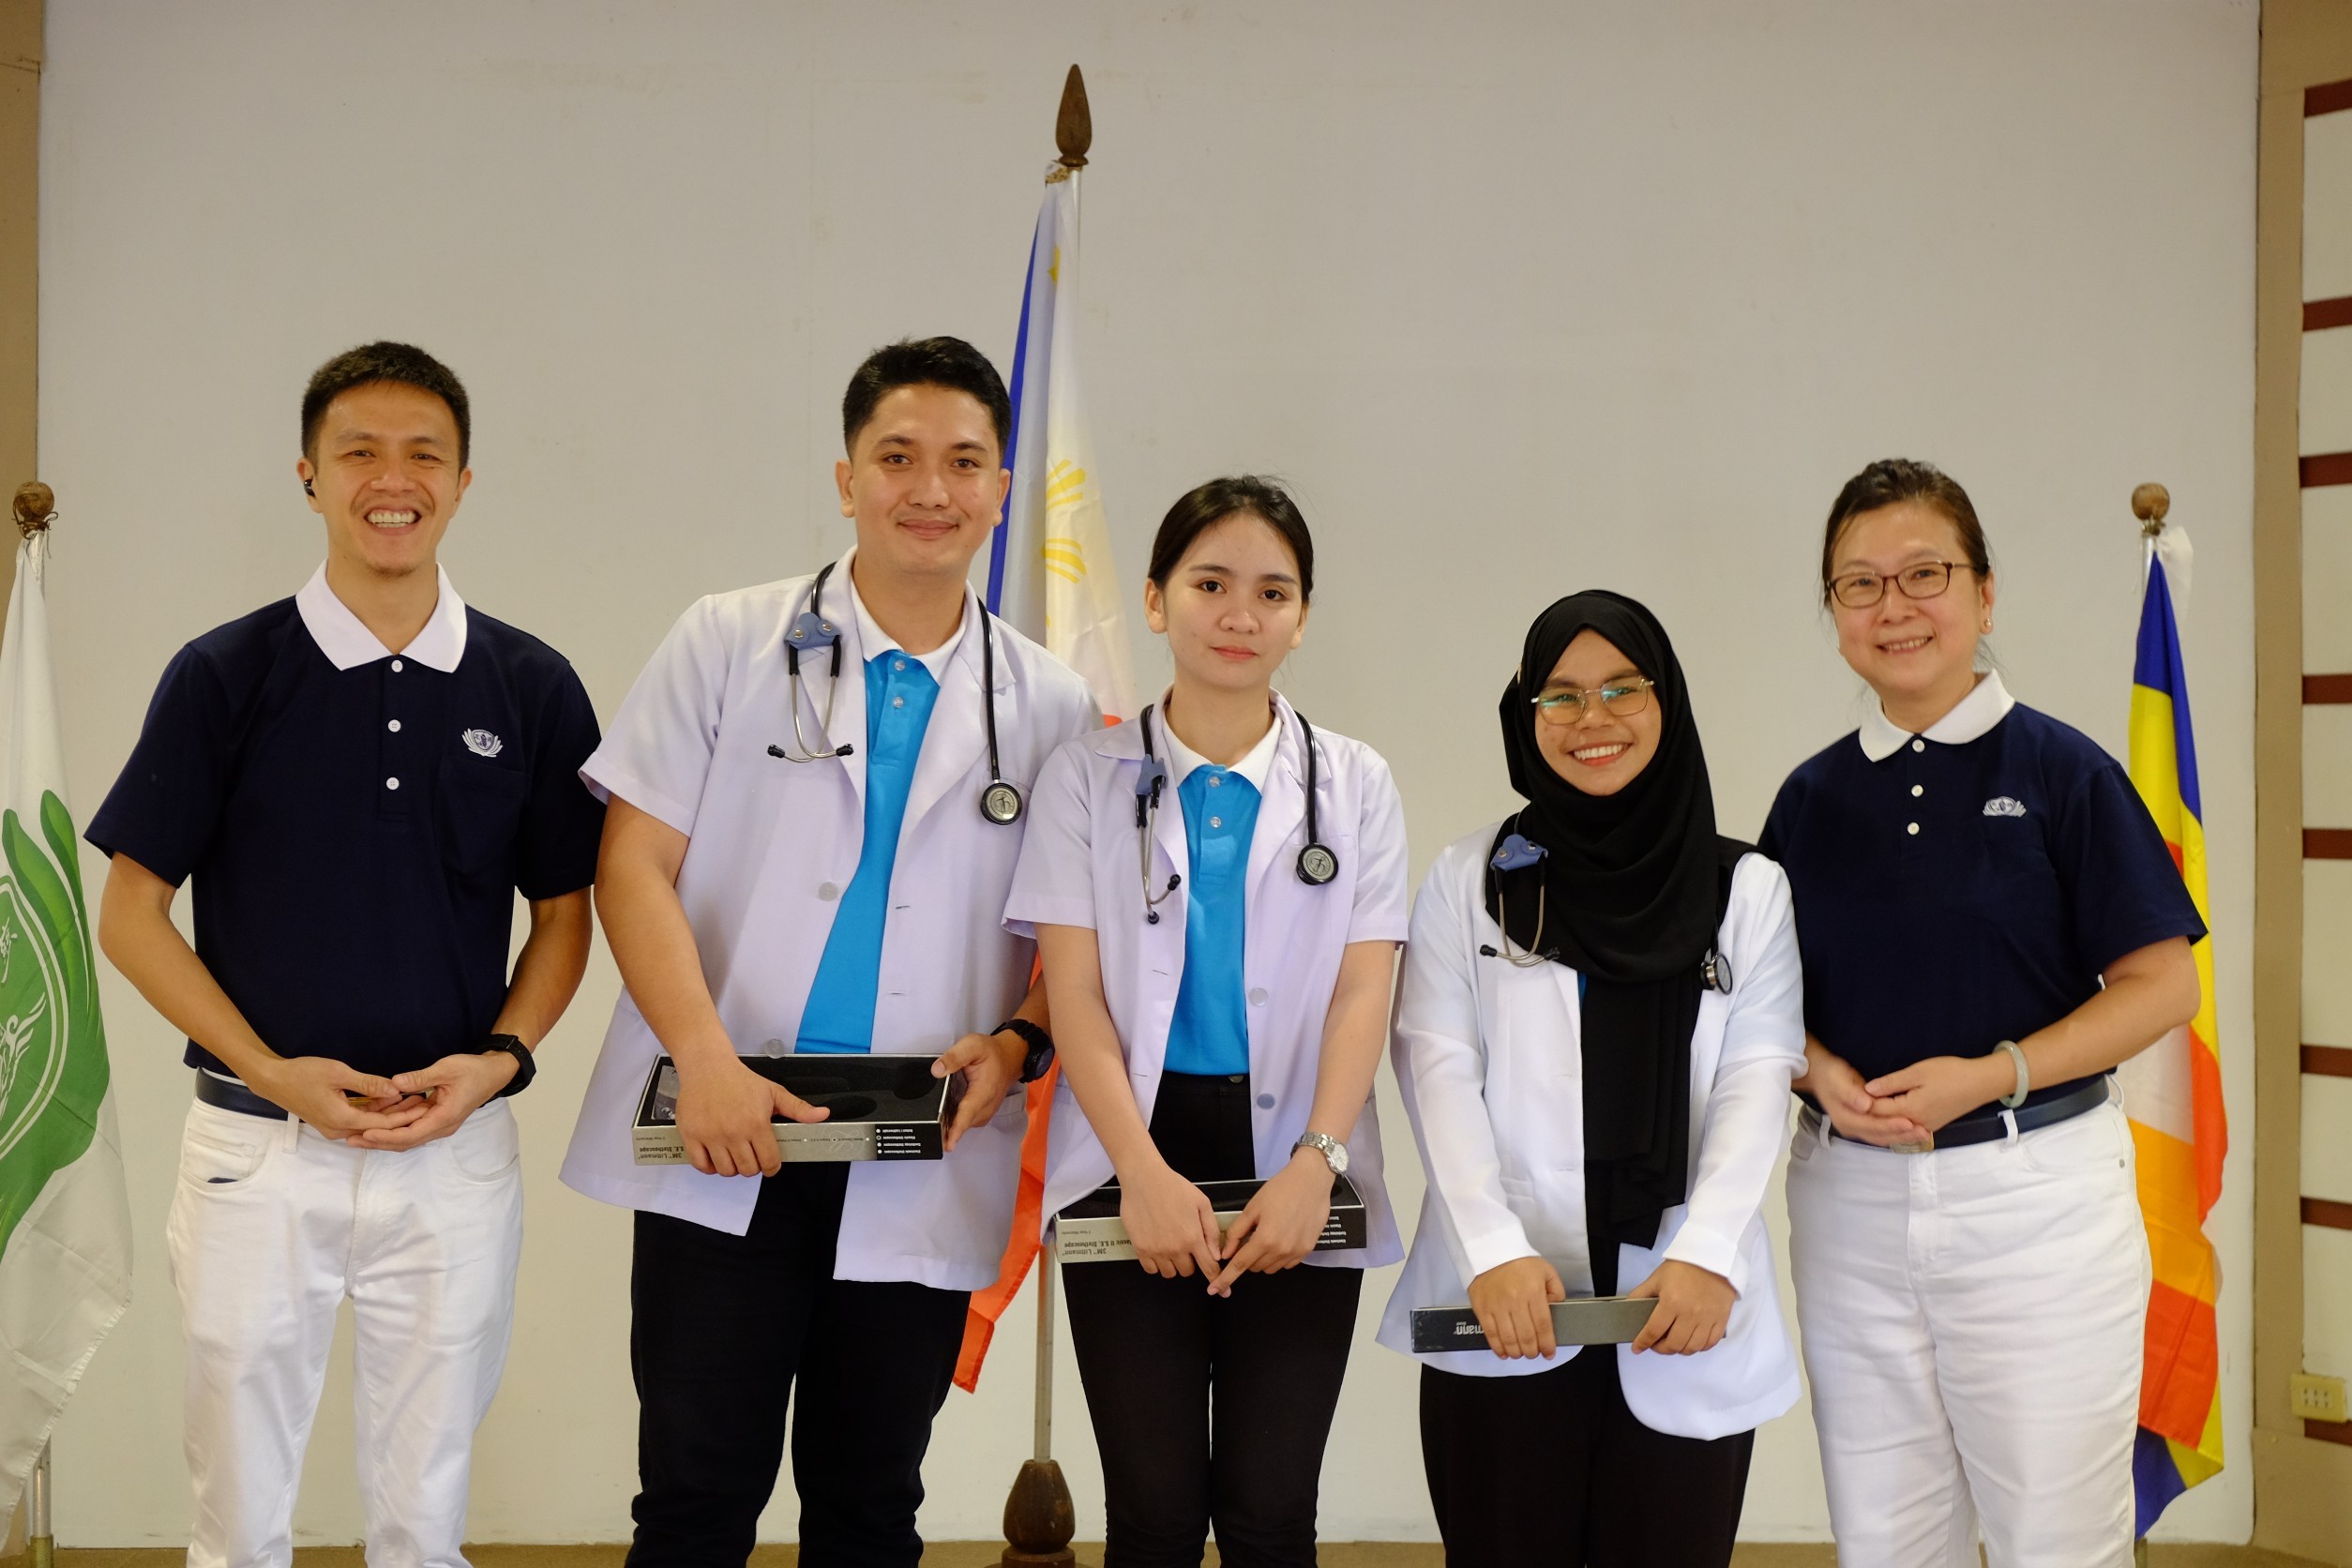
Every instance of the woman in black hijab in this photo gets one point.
(1598, 1020)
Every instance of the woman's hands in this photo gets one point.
(1513, 1303)
(1693, 1308)
(1169, 1223)
(1281, 1224)
(1943, 1089)
(1850, 1105)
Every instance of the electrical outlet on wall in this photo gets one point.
(2316, 1398)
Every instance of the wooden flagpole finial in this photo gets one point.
(1074, 125)
(35, 508)
(2149, 503)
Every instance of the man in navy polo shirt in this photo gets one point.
(357, 821)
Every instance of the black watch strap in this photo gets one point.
(1040, 1054)
(525, 1065)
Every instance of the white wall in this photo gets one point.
(1523, 296)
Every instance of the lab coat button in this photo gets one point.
(1265, 1102)
(828, 892)
(1257, 996)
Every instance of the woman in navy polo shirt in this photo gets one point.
(1990, 923)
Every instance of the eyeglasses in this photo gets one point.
(1622, 699)
(1920, 579)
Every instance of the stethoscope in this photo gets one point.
(1317, 863)
(1000, 799)
(1516, 853)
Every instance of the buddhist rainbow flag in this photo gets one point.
(2173, 1094)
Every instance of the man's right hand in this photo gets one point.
(726, 1118)
(321, 1091)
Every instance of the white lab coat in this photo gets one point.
(1487, 1056)
(1080, 867)
(773, 846)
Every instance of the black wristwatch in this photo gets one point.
(524, 1063)
(1040, 1044)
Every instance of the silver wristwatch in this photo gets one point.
(1333, 1151)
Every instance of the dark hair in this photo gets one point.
(1205, 505)
(1891, 481)
(948, 362)
(370, 363)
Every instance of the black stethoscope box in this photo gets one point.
(1090, 1232)
(884, 1108)
(1577, 1320)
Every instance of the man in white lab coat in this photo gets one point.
(802, 861)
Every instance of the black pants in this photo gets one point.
(1551, 1470)
(723, 1327)
(1209, 1410)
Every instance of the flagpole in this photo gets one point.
(1039, 1515)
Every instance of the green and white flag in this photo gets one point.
(65, 1219)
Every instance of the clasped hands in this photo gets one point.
(1173, 1228)
(370, 1111)
(1907, 1106)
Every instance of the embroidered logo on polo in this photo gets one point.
(2002, 806)
(483, 743)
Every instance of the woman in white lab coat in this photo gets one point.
(1217, 890)
(1596, 1028)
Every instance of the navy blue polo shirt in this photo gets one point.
(358, 835)
(1969, 886)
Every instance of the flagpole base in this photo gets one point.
(1039, 1519)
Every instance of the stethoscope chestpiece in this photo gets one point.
(1001, 803)
(1714, 973)
(1316, 866)
(1517, 854)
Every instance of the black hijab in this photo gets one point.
(1630, 890)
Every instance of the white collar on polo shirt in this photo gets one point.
(872, 642)
(347, 642)
(1986, 704)
(1254, 767)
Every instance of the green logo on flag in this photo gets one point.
(53, 1048)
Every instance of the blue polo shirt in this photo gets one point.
(1967, 885)
(1209, 1033)
(900, 692)
(357, 824)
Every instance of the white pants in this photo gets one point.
(1973, 1322)
(271, 1227)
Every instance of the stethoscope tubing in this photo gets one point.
(1317, 866)
(1000, 800)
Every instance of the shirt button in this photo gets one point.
(1919, 745)
(1257, 996)
(898, 702)
(1265, 1102)
(394, 727)
(1918, 790)
(391, 783)
(898, 664)
(828, 892)
(1913, 829)
(397, 667)
(1215, 779)
(1216, 821)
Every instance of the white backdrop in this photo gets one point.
(1522, 297)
